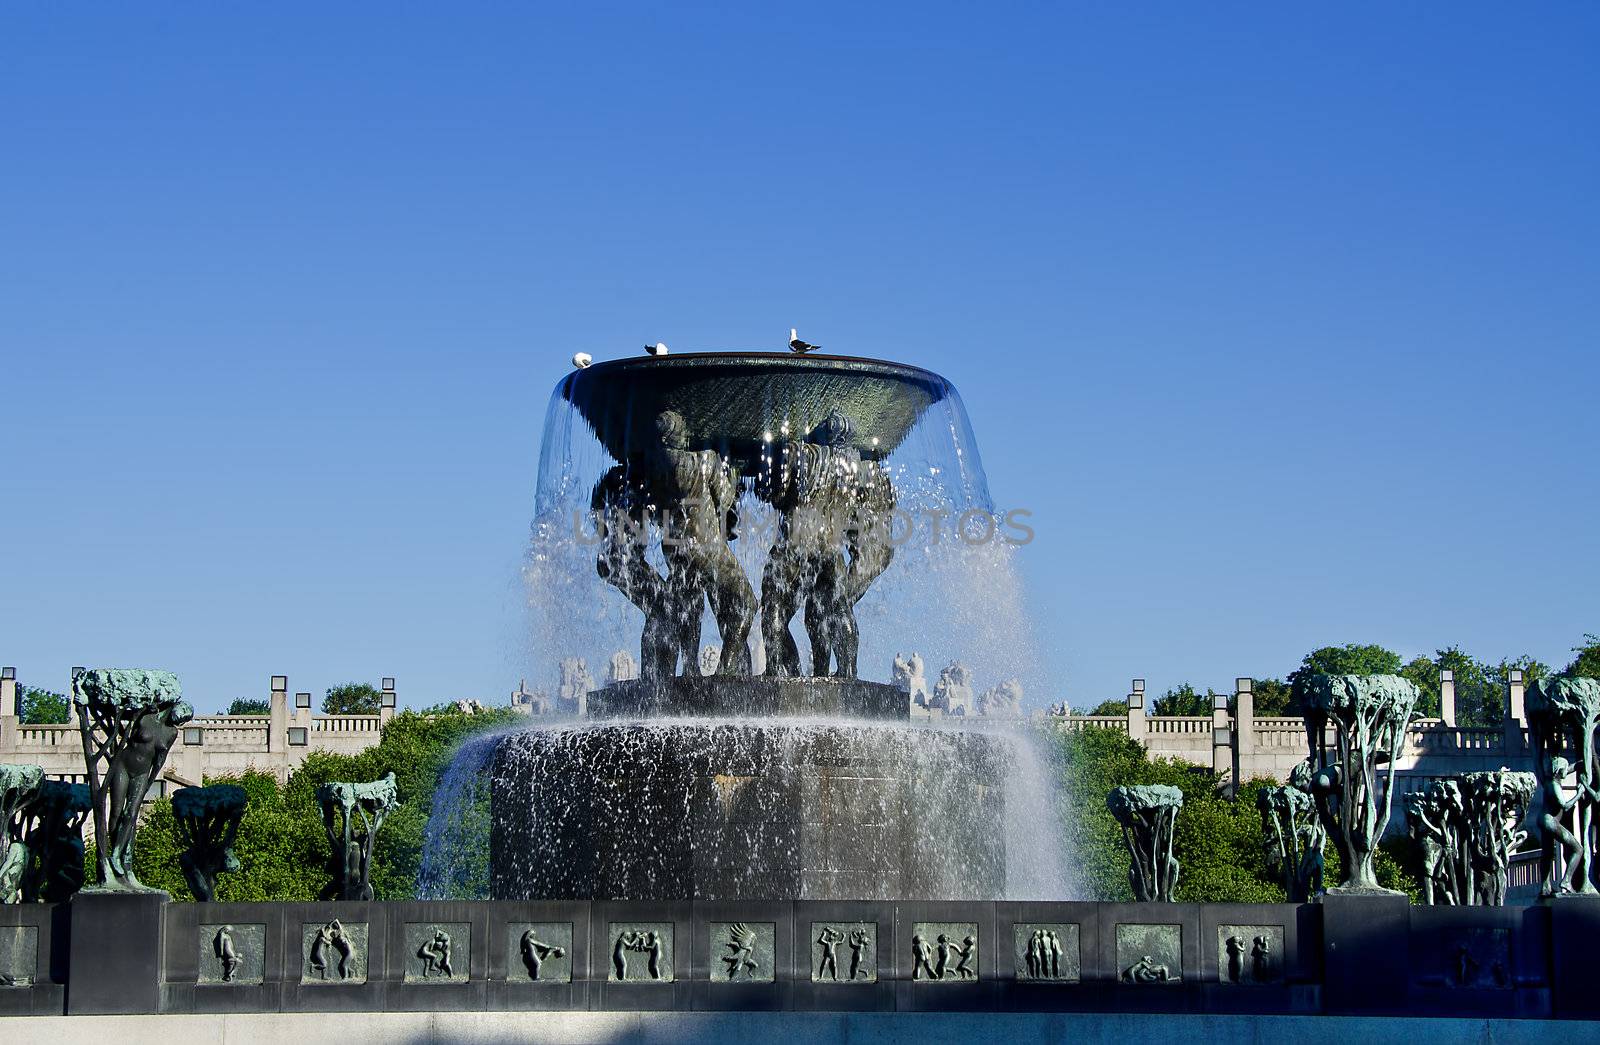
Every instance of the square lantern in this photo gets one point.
(280, 683)
(302, 700)
(1244, 685)
(297, 736)
(194, 736)
(7, 674)
(1446, 675)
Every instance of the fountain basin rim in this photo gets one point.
(785, 358)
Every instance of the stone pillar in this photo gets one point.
(278, 726)
(1136, 722)
(1244, 728)
(1224, 761)
(1516, 691)
(386, 702)
(1516, 711)
(302, 710)
(10, 713)
(1447, 696)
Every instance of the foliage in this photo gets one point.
(1350, 659)
(353, 698)
(1218, 841)
(1273, 698)
(249, 706)
(1422, 673)
(1183, 701)
(282, 847)
(40, 707)
(1117, 706)
(1587, 662)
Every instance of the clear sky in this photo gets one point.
(1281, 318)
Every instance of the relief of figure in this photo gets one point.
(1146, 970)
(435, 955)
(535, 953)
(966, 952)
(943, 965)
(648, 943)
(227, 953)
(833, 542)
(922, 959)
(829, 940)
(331, 936)
(1235, 945)
(858, 942)
(1032, 954)
(1260, 960)
(1055, 954)
(742, 942)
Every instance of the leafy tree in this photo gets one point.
(352, 698)
(1118, 706)
(1273, 697)
(40, 707)
(1423, 673)
(1183, 701)
(1350, 659)
(1587, 661)
(249, 706)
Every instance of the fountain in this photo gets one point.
(746, 494)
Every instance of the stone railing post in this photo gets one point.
(278, 710)
(386, 703)
(1244, 728)
(10, 713)
(1516, 711)
(1224, 759)
(1447, 696)
(1138, 728)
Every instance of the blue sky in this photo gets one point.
(1282, 320)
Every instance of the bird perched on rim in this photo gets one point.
(798, 346)
(582, 359)
(657, 349)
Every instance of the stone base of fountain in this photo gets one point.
(775, 810)
(726, 696)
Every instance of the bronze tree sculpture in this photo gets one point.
(128, 719)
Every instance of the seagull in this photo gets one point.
(657, 349)
(582, 359)
(800, 347)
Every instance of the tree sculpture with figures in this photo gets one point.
(206, 821)
(342, 805)
(128, 719)
(1370, 714)
(1148, 814)
(1562, 715)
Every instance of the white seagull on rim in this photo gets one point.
(798, 346)
(582, 359)
(657, 349)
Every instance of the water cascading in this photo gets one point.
(763, 530)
